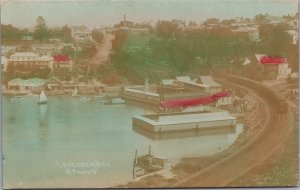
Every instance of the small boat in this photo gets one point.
(102, 101)
(85, 99)
(75, 92)
(43, 99)
(115, 101)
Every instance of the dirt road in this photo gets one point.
(252, 154)
(103, 50)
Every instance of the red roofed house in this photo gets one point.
(279, 64)
(62, 63)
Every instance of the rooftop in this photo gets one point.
(208, 80)
(33, 82)
(59, 58)
(24, 54)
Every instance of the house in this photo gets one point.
(284, 71)
(14, 84)
(29, 61)
(48, 49)
(251, 32)
(3, 63)
(34, 85)
(81, 33)
(43, 62)
(54, 83)
(213, 87)
(294, 34)
(207, 84)
(274, 19)
(277, 64)
(23, 61)
(61, 63)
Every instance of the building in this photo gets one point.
(3, 63)
(207, 84)
(14, 84)
(43, 62)
(279, 65)
(33, 85)
(61, 63)
(23, 61)
(294, 34)
(29, 61)
(179, 122)
(48, 49)
(251, 32)
(284, 71)
(81, 33)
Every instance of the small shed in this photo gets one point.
(14, 84)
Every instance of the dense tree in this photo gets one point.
(260, 19)
(97, 36)
(68, 51)
(119, 39)
(275, 39)
(167, 28)
(41, 31)
(211, 21)
(11, 33)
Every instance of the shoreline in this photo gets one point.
(186, 166)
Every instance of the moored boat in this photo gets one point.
(43, 99)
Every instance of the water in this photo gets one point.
(57, 144)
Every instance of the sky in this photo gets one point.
(96, 13)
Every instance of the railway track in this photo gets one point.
(253, 153)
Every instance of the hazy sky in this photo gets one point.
(94, 13)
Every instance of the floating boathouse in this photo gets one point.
(171, 122)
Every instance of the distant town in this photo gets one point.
(128, 53)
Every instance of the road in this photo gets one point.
(103, 50)
(250, 155)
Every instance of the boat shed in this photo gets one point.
(34, 84)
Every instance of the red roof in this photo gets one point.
(194, 101)
(272, 60)
(61, 58)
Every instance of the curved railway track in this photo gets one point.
(251, 154)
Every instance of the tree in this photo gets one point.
(41, 31)
(68, 51)
(211, 21)
(275, 40)
(67, 34)
(260, 19)
(97, 36)
(11, 33)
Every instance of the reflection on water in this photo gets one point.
(41, 143)
(43, 131)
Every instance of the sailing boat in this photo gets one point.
(75, 92)
(42, 98)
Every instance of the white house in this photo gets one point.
(294, 34)
(3, 63)
(251, 32)
(284, 71)
(81, 33)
